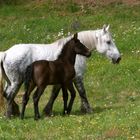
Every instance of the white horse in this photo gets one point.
(15, 60)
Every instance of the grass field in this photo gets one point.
(113, 90)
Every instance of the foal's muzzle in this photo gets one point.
(116, 61)
(88, 54)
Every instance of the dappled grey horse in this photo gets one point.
(15, 60)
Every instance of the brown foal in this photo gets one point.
(61, 71)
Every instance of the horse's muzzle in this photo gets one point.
(116, 61)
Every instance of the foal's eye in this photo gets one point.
(108, 42)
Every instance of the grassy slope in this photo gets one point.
(113, 90)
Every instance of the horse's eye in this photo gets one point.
(108, 42)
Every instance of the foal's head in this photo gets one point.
(73, 47)
(78, 47)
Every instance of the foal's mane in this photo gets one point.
(64, 42)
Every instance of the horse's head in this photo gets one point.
(106, 45)
(79, 47)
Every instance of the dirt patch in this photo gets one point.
(63, 2)
(127, 2)
(91, 2)
(97, 2)
(112, 133)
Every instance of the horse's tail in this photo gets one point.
(28, 77)
(2, 56)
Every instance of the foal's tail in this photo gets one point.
(2, 56)
(28, 77)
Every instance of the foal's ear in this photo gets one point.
(75, 36)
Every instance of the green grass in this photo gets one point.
(113, 90)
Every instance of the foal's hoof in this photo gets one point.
(37, 118)
(65, 112)
(68, 112)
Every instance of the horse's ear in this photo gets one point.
(105, 28)
(75, 36)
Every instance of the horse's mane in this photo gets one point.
(61, 42)
(85, 37)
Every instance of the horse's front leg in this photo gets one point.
(48, 108)
(65, 98)
(85, 106)
(39, 91)
(73, 94)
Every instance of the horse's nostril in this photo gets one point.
(118, 60)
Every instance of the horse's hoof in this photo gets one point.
(47, 113)
(8, 115)
(36, 118)
(86, 110)
(21, 117)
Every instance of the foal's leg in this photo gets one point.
(48, 108)
(26, 99)
(39, 91)
(65, 98)
(73, 94)
(85, 106)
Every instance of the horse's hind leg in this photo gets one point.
(10, 93)
(26, 99)
(85, 106)
(36, 97)
(48, 108)
(73, 94)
